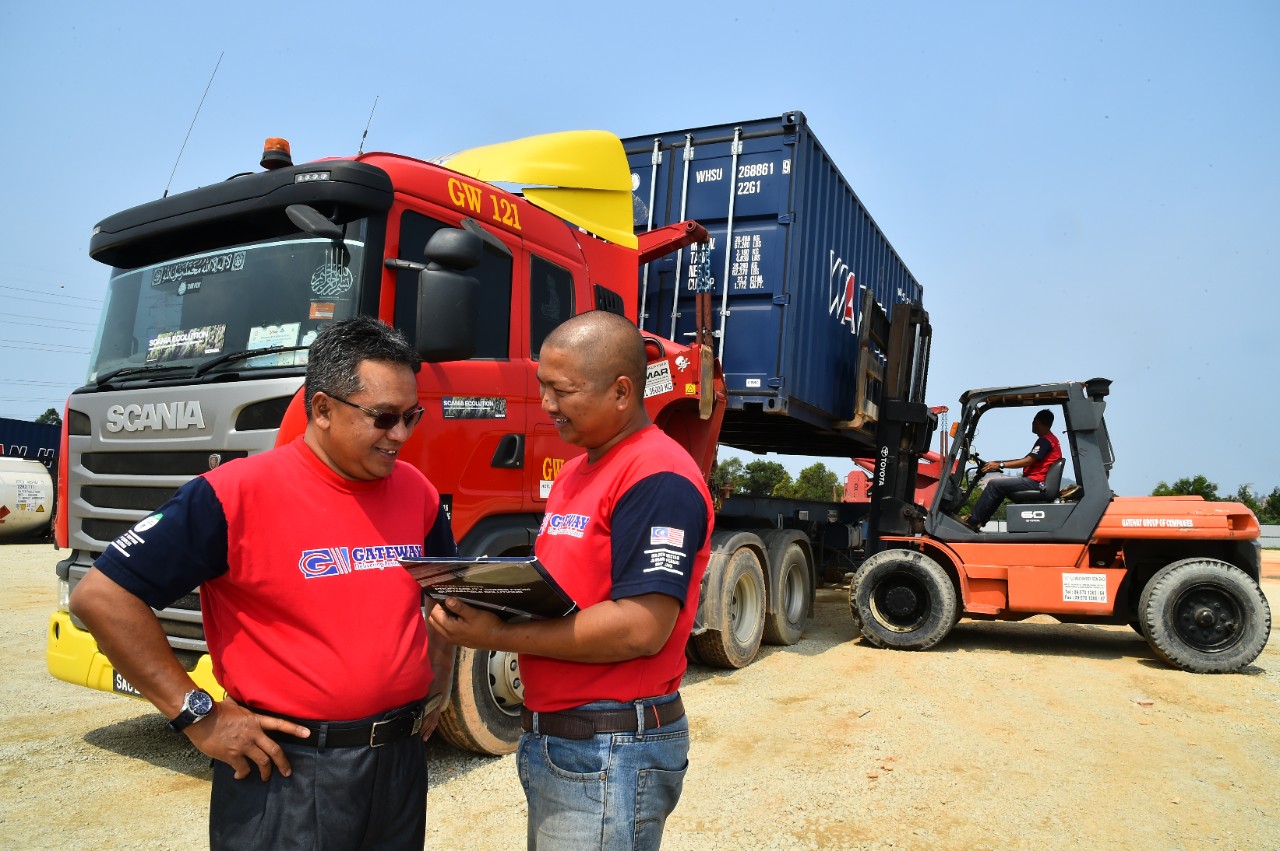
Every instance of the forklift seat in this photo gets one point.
(1052, 483)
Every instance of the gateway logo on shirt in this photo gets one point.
(564, 524)
(338, 561)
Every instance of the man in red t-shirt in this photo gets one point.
(315, 632)
(1036, 464)
(627, 534)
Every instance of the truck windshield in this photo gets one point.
(191, 310)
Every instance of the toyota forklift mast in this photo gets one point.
(906, 425)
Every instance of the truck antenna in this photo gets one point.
(360, 149)
(193, 124)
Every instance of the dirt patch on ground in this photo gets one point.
(1027, 735)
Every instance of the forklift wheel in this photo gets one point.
(1205, 616)
(903, 599)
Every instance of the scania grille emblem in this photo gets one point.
(214, 460)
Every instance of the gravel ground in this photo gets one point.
(1028, 735)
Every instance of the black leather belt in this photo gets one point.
(392, 727)
(585, 723)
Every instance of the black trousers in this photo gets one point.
(338, 799)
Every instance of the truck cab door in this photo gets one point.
(551, 300)
(471, 442)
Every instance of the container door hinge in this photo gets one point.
(784, 298)
(786, 218)
(775, 383)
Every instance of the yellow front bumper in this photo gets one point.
(72, 655)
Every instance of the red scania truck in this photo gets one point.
(214, 295)
(777, 317)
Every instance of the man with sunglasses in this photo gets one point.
(333, 678)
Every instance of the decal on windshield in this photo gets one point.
(266, 336)
(331, 279)
(193, 342)
(197, 267)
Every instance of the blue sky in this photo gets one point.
(1084, 189)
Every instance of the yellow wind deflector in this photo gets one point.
(581, 176)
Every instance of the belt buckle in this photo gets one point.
(373, 733)
(414, 729)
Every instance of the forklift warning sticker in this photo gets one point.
(657, 379)
(1084, 588)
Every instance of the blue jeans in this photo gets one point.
(611, 791)
(994, 493)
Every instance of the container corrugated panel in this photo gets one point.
(797, 250)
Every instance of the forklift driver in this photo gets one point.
(1037, 463)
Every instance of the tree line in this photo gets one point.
(769, 478)
(762, 478)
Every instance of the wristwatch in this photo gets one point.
(196, 706)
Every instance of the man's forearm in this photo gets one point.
(130, 636)
(611, 631)
(440, 655)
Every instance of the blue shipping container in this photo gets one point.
(793, 254)
(32, 441)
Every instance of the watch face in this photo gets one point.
(200, 702)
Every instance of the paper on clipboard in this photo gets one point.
(509, 587)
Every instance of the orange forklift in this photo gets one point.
(1183, 572)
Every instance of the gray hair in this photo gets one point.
(334, 360)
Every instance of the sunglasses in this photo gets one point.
(386, 420)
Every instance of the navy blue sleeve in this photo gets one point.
(439, 540)
(1042, 448)
(658, 527)
(177, 548)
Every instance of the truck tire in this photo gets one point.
(483, 714)
(790, 591)
(903, 599)
(1205, 616)
(734, 630)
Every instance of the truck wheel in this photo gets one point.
(790, 586)
(733, 633)
(903, 599)
(483, 714)
(1205, 616)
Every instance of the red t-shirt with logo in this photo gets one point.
(1045, 452)
(637, 521)
(307, 611)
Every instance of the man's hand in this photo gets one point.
(238, 737)
(435, 706)
(465, 625)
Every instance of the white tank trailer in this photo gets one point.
(26, 499)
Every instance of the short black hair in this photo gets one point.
(608, 345)
(333, 362)
(1045, 416)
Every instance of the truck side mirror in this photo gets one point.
(312, 221)
(448, 298)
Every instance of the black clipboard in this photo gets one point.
(511, 588)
